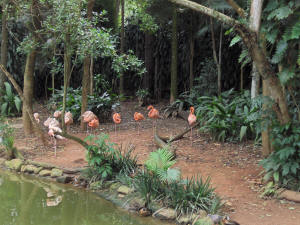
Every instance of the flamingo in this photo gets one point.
(138, 117)
(36, 117)
(68, 119)
(53, 126)
(57, 114)
(88, 116)
(94, 123)
(117, 120)
(153, 114)
(192, 120)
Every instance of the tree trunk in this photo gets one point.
(192, 49)
(217, 60)
(121, 88)
(173, 89)
(28, 90)
(156, 79)
(266, 143)
(255, 19)
(92, 76)
(4, 43)
(250, 40)
(86, 69)
(116, 16)
(25, 103)
(148, 60)
(67, 76)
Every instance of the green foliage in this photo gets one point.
(283, 165)
(100, 105)
(10, 103)
(159, 162)
(230, 116)
(142, 93)
(106, 160)
(6, 135)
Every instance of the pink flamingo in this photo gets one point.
(57, 114)
(53, 126)
(117, 120)
(88, 116)
(36, 117)
(94, 123)
(138, 117)
(153, 114)
(68, 119)
(192, 120)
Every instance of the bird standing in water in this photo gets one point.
(117, 120)
(192, 120)
(138, 117)
(153, 114)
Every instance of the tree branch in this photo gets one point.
(237, 8)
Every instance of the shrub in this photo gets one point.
(230, 116)
(10, 103)
(283, 165)
(106, 160)
(7, 140)
(100, 105)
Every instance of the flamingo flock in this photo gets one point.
(92, 121)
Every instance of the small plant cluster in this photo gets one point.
(106, 160)
(230, 116)
(283, 165)
(157, 182)
(7, 139)
(100, 105)
(10, 103)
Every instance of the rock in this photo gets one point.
(29, 168)
(14, 164)
(124, 190)
(56, 172)
(165, 214)
(45, 173)
(120, 195)
(201, 214)
(96, 185)
(184, 220)
(37, 170)
(114, 186)
(136, 203)
(204, 221)
(2, 161)
(64, 179)
(23, 168)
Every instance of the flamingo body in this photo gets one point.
(153, 113)
(138, 116)
(192, 118)
(117, 118)
(57, 114)
(88, 116)
(37, 117)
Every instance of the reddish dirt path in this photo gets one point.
(232, 167)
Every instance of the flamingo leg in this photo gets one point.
(191, 136)
(116, 129)
(138, 128)
(54, 146)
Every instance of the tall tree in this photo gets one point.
(251, 41)
(192, 50)
(255, 18)
(4, 42)
(121, 87)
(86, 68)
(30, 66)
(173, 89)
(149, 60)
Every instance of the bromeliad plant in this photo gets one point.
(10, 103)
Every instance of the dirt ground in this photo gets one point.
(233, 168)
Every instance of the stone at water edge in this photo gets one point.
(56, 173)
(14, 164)
(37, 170)
(204, 221)
(30, 168)
(96, 185)
(2, 161)
(64, 179)
(124, 190)
(45, 173)
(166, 214)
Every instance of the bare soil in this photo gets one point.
(233, 168)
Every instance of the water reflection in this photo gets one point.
(28, 201)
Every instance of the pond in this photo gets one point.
(25, 200)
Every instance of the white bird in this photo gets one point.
(36, 117)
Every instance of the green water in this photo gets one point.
(24, 201)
